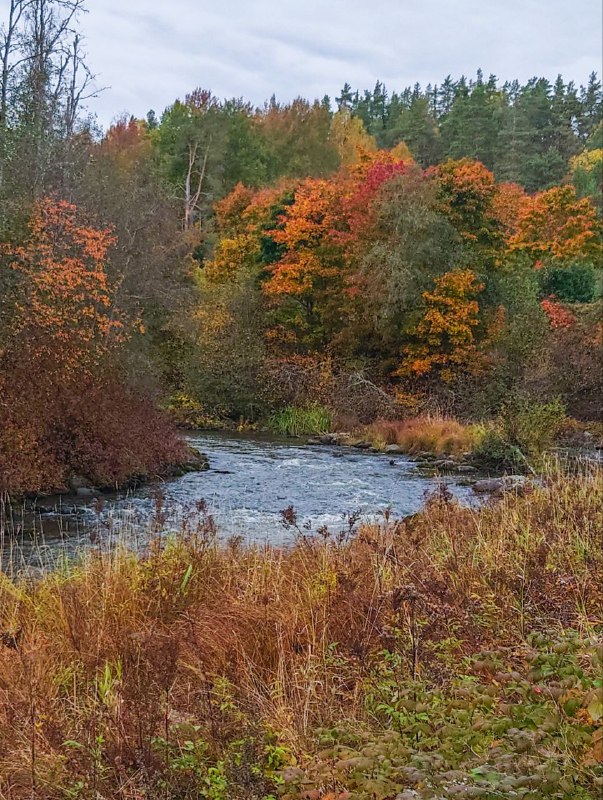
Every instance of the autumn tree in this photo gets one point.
(350, 138)
(307, 279)
(297, 137)
(60, 382)
(586, 172)
(468, 191)
(406, 245)
(62, 311)
(442, 344)
(555, 226)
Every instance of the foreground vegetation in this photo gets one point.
(456, 653)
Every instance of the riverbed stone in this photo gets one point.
(488, 485)
(328, 438)
(498, 486)
(393, 448)
(445, 463)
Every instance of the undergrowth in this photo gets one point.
(456, 653)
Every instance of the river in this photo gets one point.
(251, 480)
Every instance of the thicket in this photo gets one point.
(387, 290)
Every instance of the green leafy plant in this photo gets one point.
(294, 421)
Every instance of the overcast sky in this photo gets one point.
(150, 52)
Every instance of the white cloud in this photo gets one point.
(149, 52)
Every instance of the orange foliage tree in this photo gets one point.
(63, 312)
(507, 203)
(311, 258)
(468, 192)
(60, 390)
(315, 282)
(555, 226)
(443, 340)
(246, 220)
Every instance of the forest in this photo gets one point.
(413, 271)
(377, 255)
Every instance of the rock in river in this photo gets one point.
(508, 483)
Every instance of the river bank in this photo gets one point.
(452, 653)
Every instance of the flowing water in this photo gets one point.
(251, 480)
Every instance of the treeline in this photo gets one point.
(223, 260)
(533, 134)
(525, 134)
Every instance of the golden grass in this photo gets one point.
(431, 434)
(100, 659)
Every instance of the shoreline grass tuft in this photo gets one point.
(296, 421)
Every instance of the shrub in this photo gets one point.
(571, 284)
(294, 421)
(531, 426)
(521, 434)
(99, 429)
(187, 412)
(303, 381)
(496, 452)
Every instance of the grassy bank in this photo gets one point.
(452, 654)
(294, 421)
(430, 434)
(518, 439)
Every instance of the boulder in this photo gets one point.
(508, 483)
(362, 445)
(488, 485)
(445, 463)
(393, 448)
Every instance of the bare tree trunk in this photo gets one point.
(53, 93)
(191, 199)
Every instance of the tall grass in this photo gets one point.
(436, 435)
(225, 672)
(296, 421)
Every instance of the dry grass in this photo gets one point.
(103, 660)
(431, 434)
